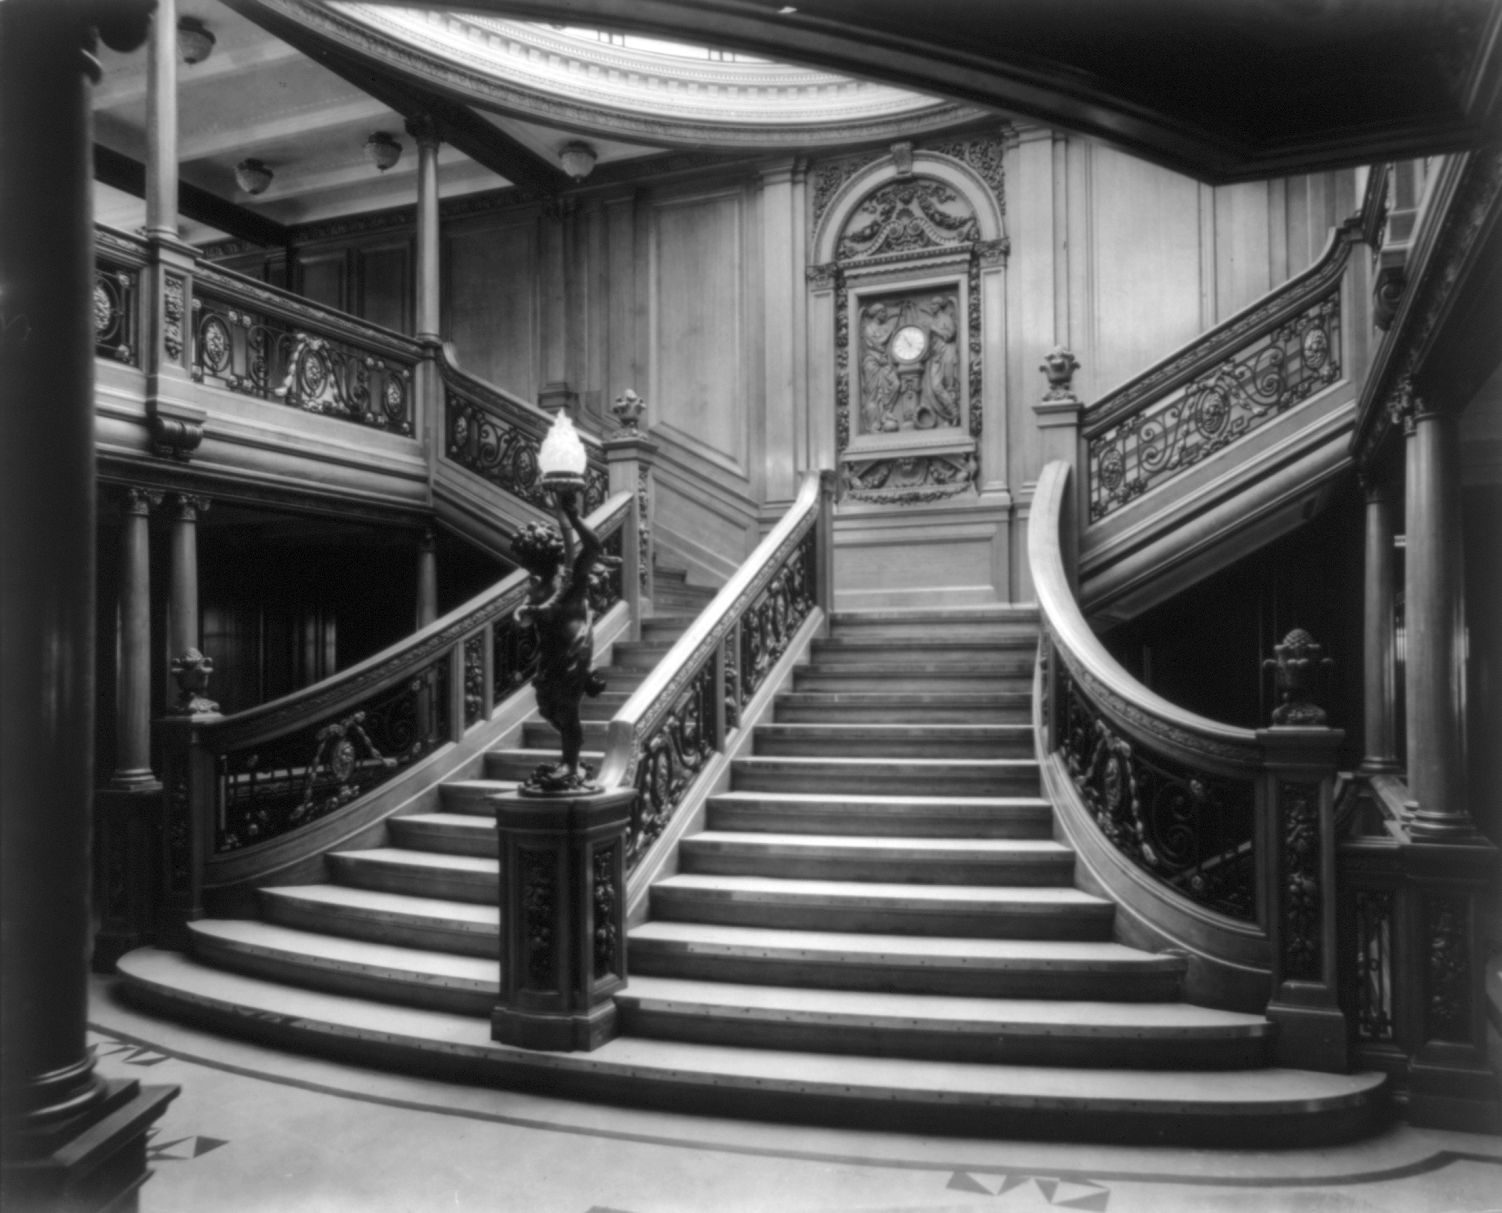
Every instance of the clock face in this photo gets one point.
(908, 343)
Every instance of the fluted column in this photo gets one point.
(1379, 684)
(133, 690)
(427, 579)
(425, 131)
(183, 629)
(58, 1118)
(1434, 669)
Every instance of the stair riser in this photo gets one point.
(806, 713)
(351, 924)
(519, 769)
(539, 735)
(1000, 823)
(472, 802)
(638, 657)
(932, 977)
(875, 746)
(712, 861)
(1006, 635)
(410, 991)
(479, 888)
(603, 708)
(967, 1043)
(894, 657)
(444, 840)
(1074, 923)
(751, 777)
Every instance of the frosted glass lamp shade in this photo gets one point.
(562, 459)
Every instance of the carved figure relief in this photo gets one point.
(909, 365)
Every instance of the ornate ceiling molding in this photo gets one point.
(545, 75)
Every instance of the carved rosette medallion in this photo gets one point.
(1302, 943)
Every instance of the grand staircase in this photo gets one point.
(876, 927)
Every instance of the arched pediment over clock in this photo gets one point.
(909, 252)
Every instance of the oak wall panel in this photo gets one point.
(491, 303)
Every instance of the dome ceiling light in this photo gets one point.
(194, 42)
(382, 150)
(253, 176)
(578, 160)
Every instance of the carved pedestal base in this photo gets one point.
(1312, 1033)
(563, 897)
(93, 1161)
(127, 849)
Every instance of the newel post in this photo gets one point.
(1059, 415)
(829, 485)
(1296, 823)
(629, 455)
(189, 794)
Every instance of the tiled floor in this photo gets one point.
(257, 1131)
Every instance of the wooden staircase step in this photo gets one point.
(450, 833)
(465, 985)
(879, 707)
(854, 960)
(882, 816)
(472, 796)
(943, 740)
(518, 765)
(981, 911)
(969, 861)
(1009, 654)
(905, 624)
(918, 676)
(1268, 1106)
(639, 654)
(413, 922)
(419, 873)
(1136, 1035)
(540, 735)
(665, 627)
(895, 777)
(603, 706)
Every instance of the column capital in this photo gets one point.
(188, 507)
(424, 128)
(136, 500)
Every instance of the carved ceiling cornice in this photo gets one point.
(532, 72)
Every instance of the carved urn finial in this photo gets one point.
(627, 409)
(1297, 661)
(1060, 365)
(191, 669)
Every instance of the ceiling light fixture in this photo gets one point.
(578, 160)
(194, 42)
(382, 150)
(253, 176)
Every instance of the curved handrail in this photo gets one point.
(295, 760)
(669, 726)
(1138, 710)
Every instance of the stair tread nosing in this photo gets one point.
(1038, 1015)
(752, 888)
(395, 907)
(436, 860)
(971, 952)
(315, 949)
(266, 1006)
(881, 845)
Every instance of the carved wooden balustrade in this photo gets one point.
(663, 738)
(1218, 841)
(235, 783)
(265, 342)
(1226, 384)
(496, 436)
(1412, 938)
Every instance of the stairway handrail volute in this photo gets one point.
(1136, 709)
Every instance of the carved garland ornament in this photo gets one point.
(1302, 937)
(539, 902)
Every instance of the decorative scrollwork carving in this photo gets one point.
(1189, 829)
(173, 293)
(907, 216)
(772, 619)
(539, 909)
(1447, 970)
(502, 454)
(1169, 434)
(474, 680)
(1302, 939)
(606, 903)
(909, 479)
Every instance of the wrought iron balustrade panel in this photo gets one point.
(116, 303)
(605, 585)
(672, 755)
(514, 655)
(1189, 829)
(1173, 433)
(283, 784)
(1368, 945)
(259, 355)
(773, 618)
(503, 452)
(475, 706)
